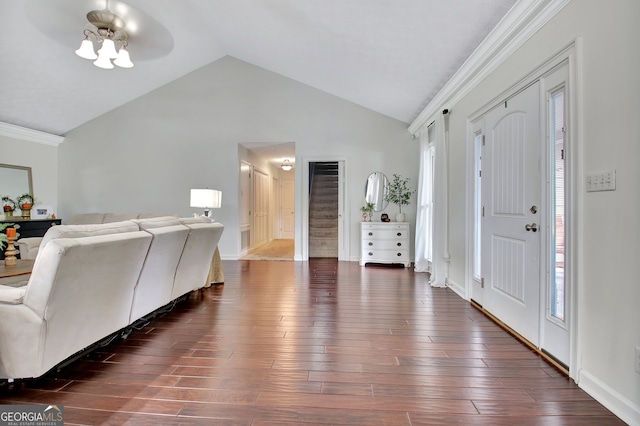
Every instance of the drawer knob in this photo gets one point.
(399, 234)
(399, 244)
(370, 243)
(370, 254)
(399, 254)
(370, 234)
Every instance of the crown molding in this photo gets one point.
(30, 135)
(523, 20)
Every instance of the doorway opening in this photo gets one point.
(323, 209)
(267, 201)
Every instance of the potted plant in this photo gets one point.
(367, 210)
(398, 192)
(8, 205)
(25, 201)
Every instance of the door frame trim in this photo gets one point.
(303, 216)
(571, 54)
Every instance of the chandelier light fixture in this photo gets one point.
(286, 165)
(109, 34)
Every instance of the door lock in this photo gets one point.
(533, 209)
(533, 227)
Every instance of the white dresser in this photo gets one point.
(385, 242)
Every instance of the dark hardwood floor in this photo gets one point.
(319, 342)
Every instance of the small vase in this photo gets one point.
(400, 217)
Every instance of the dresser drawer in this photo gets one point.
(389, 244)
(386, 233)
(386, 256)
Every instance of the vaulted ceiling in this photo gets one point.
(389, 56)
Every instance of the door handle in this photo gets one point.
(533, 227)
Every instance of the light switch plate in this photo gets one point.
(601, 181)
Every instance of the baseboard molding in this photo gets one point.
(626, 410)
(457, 288)
(560, 367)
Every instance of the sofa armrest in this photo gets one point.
(12, 295)
(28, 247)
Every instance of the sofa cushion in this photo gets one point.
(156, 222)
(12, 295)
(80, 231)
(119, 217)
(85, 219)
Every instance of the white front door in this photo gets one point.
(511, 201)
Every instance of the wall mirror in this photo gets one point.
(375, 191)
(15, 181)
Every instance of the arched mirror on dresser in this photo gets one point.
(383, 242)
(375, 191)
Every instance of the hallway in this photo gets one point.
(319, 342)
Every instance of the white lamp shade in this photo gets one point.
(103, 61)
(108, 49)
(206, 198)
(123, 60)
(86, 50)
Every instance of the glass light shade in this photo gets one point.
(86, 50)
(206, 198)
(123, 59)
(104, 62)
(286, 165)
(108, 49)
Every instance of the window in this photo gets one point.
(477, 207)
(557, 150)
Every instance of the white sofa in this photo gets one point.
(28, 247)
(90, 282)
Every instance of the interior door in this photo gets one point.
(287, 209)
(511, 204)
(261, 208)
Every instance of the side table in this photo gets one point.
(15, 274)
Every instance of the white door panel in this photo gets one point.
(287, 209)
(261, 208)
(511, 200)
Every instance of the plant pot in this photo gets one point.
(8, 213)
(400, 217)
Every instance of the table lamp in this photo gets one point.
(207, 199)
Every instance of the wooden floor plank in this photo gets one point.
(315, 343)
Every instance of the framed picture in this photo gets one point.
(41, 212)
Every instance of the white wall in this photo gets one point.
(609, 293)
(43, 160)
(144, 156)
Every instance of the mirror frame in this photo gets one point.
(29, 180)
(375, 189)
